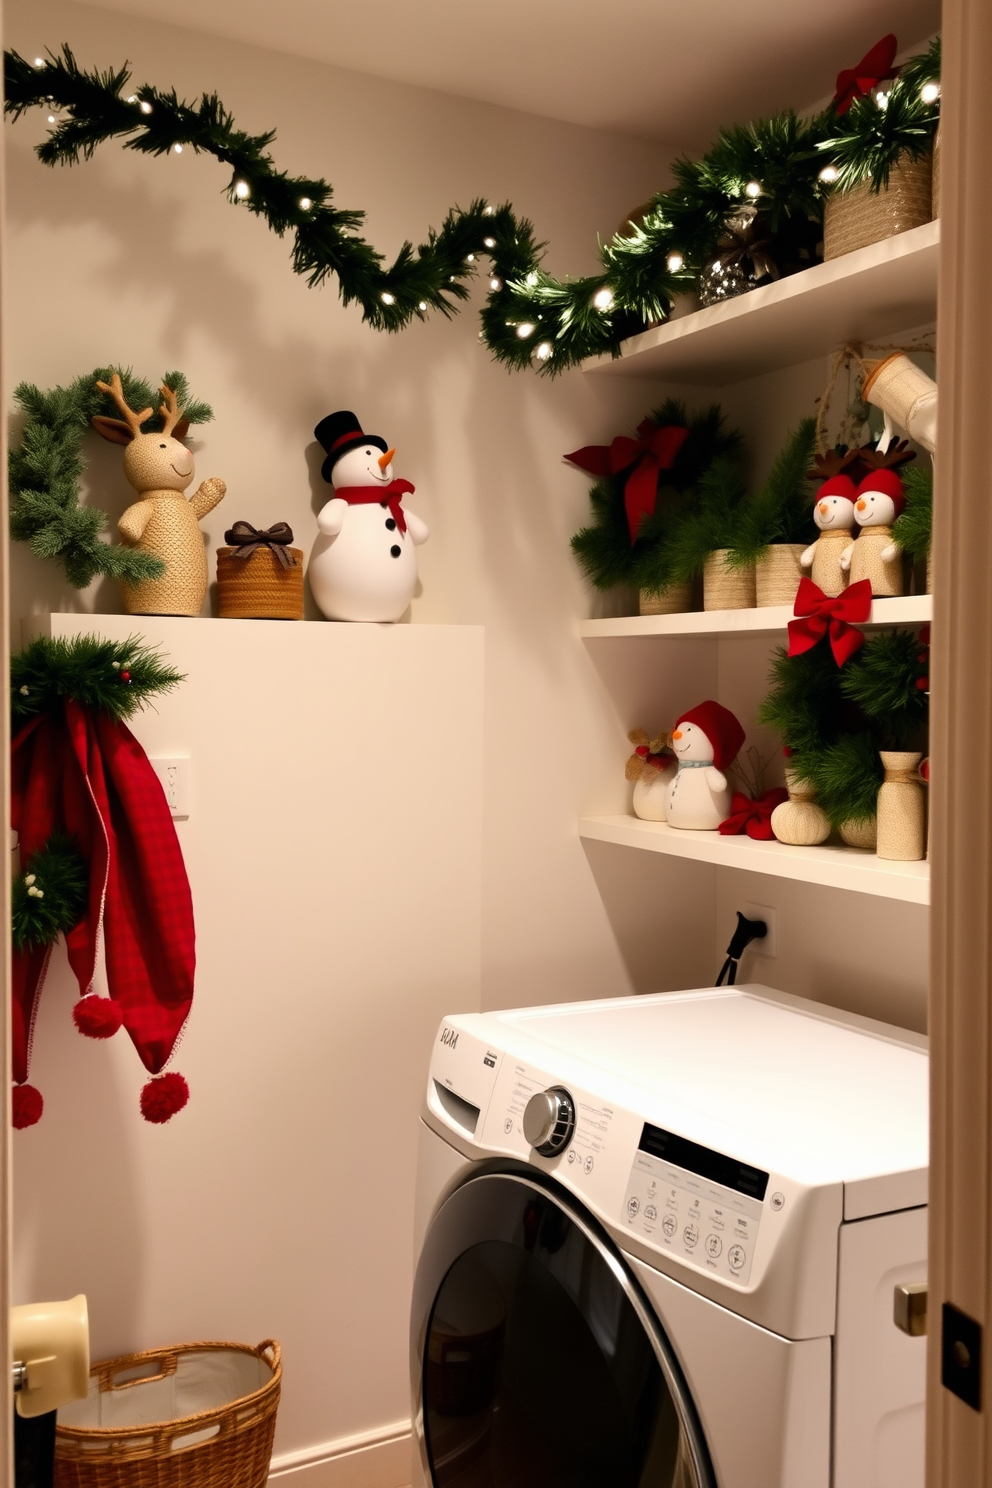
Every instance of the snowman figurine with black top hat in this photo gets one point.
(363, 565)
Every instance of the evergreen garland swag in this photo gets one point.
(113, 677)
(44, 471)
(530, 318)
(835, 720)
(50, 896)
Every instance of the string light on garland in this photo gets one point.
(178, 149)
(543, 351)
(929, 93)
(641, 272)
(525, 329)
(829, 174)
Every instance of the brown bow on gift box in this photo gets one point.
(246, 539)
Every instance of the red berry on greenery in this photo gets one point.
(922, 683)
(125, 676)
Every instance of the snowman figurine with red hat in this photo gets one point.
(875, 555)
(834, 516)
(363, 565)
(705, 742)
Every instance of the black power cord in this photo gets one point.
(747, 930)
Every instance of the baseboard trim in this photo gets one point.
(372, 1459)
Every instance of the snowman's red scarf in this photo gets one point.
(384, 495)
(84, 773)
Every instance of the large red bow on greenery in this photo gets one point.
(857, 82)
(753, 817)
(820, 615)
(653, 451)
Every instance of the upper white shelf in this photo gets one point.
(913, 609)
(862, 296)
(834, 867)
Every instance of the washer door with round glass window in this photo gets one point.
(536, 1361)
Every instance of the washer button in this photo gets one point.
(690, 1235)
(714, 1245)
(633, 1208)
(736, 1257)
(778, 1201)
(668, 1225)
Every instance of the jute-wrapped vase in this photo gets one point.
(901, 808)
(777, 574)
(727, 588)
(853, 219)
(675, 600)
(860, 833)
(903, 390)
(258, 587)
(799, 821)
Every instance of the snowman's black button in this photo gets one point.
(395, 551)
(390, 524)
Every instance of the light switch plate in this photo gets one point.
(174, 775)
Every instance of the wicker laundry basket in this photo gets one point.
(198, 1415)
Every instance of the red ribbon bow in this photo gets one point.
(820, 615)
(753, 817)
(385, 495)
(857, 82)
(653, 451)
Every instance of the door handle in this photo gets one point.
(909, 1307)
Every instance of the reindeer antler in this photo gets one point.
(895, 454)
(133, 420)
(832, 462)
(169, 409)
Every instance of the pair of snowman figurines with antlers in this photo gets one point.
(861, 489)
(363, 565)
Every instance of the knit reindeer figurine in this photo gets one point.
(163, 522)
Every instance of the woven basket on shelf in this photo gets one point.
(204, 1418)
(853, 219)
(258, 587)
(675, 600)
(777, 574)
(727, 588)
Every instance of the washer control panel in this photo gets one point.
(699, 1205)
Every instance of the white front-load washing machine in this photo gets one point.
(657, 1244)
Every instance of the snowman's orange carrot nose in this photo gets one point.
(824, 508)
(677, 734)
(861, 505)
(385, 459)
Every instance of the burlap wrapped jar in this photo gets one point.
(675, 600)
(777, 574)
(901, 808)
(727, 588)
(853, 219)
(799, 821)
(260, 577)
(860, 833)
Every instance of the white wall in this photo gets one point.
(144, 262)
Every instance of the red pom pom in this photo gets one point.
(28, 1106)
(162, 1097)
(97, 1017)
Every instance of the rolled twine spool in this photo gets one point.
(727, 588)
(853, 219)
(777, 574)
(901, 808)
(860, 833)
(675, 600)
(799, 822)
(261, 577)
(905, 393)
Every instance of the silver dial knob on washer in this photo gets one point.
(549, 1121)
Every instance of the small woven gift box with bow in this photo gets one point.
(260, 577)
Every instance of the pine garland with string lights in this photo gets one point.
(44, 471)
(530, 318)
(897, 120)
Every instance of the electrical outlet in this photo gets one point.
(767, 948)
(174, 775)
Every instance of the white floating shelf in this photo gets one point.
(862, 296)
(833, 867)
(913, 609)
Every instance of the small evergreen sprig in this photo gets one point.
(49, 897)
(872, 135)
(781, 511)
(44, 472)
(913, 528)
(113, 677)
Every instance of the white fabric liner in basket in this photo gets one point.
(201, 1381)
